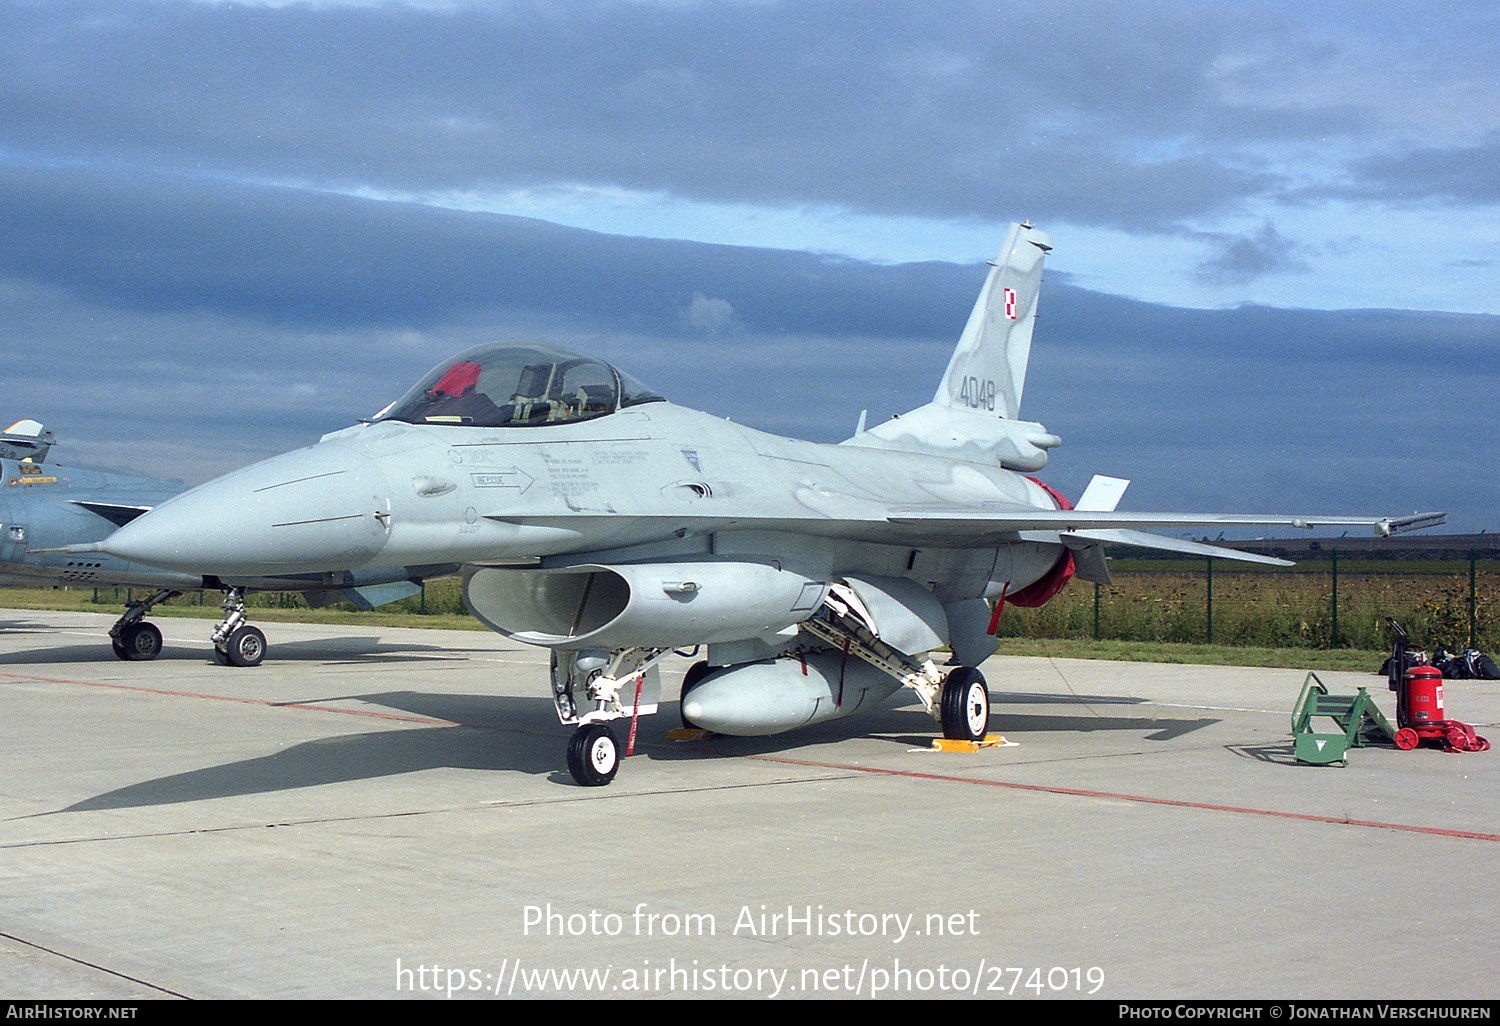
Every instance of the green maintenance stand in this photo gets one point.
(1360, 724)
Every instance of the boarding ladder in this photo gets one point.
(1360, 723)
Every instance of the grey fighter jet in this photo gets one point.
(52, 516)
(597, 519)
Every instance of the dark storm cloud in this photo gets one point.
(288, 256)
(185, 331)
(1084, 110)
(1456, 174)
(1242, 259)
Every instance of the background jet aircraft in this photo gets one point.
(48, 512)
(597, 519)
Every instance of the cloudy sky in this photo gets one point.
(226, 228)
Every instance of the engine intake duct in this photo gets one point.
(648, 605)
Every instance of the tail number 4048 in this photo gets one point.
(977, 393)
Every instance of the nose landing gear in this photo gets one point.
(132, 636)
(237, 643)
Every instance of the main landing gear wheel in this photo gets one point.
(245, 647)
(965, 705)
(138, 641)
(690, 680)
(593, 755)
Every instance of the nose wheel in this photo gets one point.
(237, 643)
(593, 755)
(245, 646)
(134, 637)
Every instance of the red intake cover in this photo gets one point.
(1053, 581)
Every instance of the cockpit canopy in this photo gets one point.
(517, 386)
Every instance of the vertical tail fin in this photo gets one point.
(988, 369)
(975, 414)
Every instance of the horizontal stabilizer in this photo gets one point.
(1079, 540)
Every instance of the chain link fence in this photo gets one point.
(1330, 599)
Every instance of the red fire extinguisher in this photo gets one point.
(1424, 698)
(1419, 705)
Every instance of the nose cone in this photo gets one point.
(320, 508)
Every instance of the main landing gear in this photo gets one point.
(236, 643)
(958, 699)
(593, 686)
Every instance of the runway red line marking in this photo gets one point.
(1143, 799)
(873, 770)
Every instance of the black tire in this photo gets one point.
(690, 680)
(965, 705)
(593, 755)
(245, 647)
(139, 642)
(119, 647)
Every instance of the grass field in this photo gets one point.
(1155, 610)
(1272, 610)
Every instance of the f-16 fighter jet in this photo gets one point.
(599, 520)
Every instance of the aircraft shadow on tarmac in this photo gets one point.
(1282, 753)
(1090, 719)
(25, 627)
(336, 651)
(482, 732)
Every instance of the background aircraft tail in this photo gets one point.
(26, 440)
(973, 415)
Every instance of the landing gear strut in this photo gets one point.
(132, 636)
(237, 643)
(621, 684)
(958, 699)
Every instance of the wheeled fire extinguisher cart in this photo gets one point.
(1419, 704)
(1420, 716)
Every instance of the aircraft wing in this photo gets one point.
(1079, 529)
(977, 525)
(1094, 521)
(997, 516)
